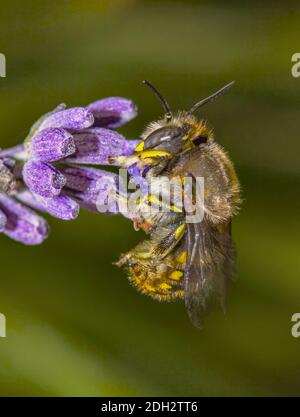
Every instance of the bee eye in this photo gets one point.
(200, 139)
(162, 136)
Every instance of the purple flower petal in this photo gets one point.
(85, 185)
(96, 145)
(43, 179)
(134, 170)
(27, 197)
(36, 126)
(23, 224)
(52, 144)
(62, 207)
(75, 118)
(3, 221)
(112, 112)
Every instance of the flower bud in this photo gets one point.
(22, 224)
(62, 207)
(43, 179)
(52, 144)
(75, 118)
(97, 145)
(112, 112)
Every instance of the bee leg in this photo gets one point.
(168, 243)
(123, 161)
(121, 199)
(123, 260)
(141, 252)
(126, 206)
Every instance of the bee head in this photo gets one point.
(185, 133)
(177, 133)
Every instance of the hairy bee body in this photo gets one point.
(181, 259)
(159, 275)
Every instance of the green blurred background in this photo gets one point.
(74, 324)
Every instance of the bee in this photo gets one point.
(181, 259)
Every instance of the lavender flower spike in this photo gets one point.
(43, 178)
(97, 145)
(75, 118)
(22, 224)
(112, 112)
(52, 144)
(26, 197)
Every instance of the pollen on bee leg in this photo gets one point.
(179, 231)
(154, 154)
(148, 287)
(165, 286)
(140, 147)
(182, 257)
(176, 275)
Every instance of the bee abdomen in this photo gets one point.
(162, 286)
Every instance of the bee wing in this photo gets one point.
(208, 268)
(208, 242)
(218, 187)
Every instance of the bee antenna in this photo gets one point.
(210, 98)
(161, 98)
